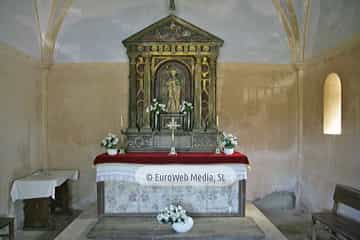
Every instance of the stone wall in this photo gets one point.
(256, 102)
(85, 102)
(331, 159)
(19, 119)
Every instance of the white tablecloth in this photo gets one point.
(128, 172)
(41, 184)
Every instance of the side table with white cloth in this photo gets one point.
(44, 193)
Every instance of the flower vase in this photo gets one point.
(188, 116)
(228, 151)
(111, 151)
(156, 121)
(182, 227)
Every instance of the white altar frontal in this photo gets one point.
(202, 189)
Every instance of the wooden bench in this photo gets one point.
(336, 224)
(7, 222)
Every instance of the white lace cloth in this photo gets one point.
(127, 172)
(41, 184)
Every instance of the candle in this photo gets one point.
(217, 121)
(121, 122)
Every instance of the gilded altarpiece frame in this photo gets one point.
(191, 55)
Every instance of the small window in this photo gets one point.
(332, 105)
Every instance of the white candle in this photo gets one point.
(121, 122)
(217, 121)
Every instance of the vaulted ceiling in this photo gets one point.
(255, 31)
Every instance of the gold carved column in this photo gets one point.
(212, 92)
(132, 91)
(147, 91)
(197, 98)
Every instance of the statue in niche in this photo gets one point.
(173, 85)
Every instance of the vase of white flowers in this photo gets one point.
(109, 143)
(155, 109)
(177, 218)
(229, 143)
(186, 108)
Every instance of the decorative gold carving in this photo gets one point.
(188, 52)
(166, 48)
(179, 48)
(205, 91)
(206, 48)
(140, 70)
(159, 60)
(192, 48)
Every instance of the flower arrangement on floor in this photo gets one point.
(156, 108)
(176, 217)
(109, 143)
(229, 142)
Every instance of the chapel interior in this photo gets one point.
(283, 76)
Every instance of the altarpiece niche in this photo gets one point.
(172, 61)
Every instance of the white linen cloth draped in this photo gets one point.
(41, 184)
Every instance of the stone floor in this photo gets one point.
(62, 221)
(294, 225)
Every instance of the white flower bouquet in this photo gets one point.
(156, 107)
(172, 214)
(110, 141)
(186, 107)
(229, 141)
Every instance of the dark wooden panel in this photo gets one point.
(348, 196)
(8, 222)
(100, 198)
(345, 226)
(61, 203)
(37, 213)
(242, 197)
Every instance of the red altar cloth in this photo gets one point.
(165, 158)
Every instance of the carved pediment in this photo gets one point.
(172, 29)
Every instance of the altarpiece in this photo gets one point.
(172, 61)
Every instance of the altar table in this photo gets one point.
(43, 192)
(118, 192)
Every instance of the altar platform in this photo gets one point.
(83, 225)
(147, 228)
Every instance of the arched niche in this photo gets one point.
(183, 75)
(332, 115)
